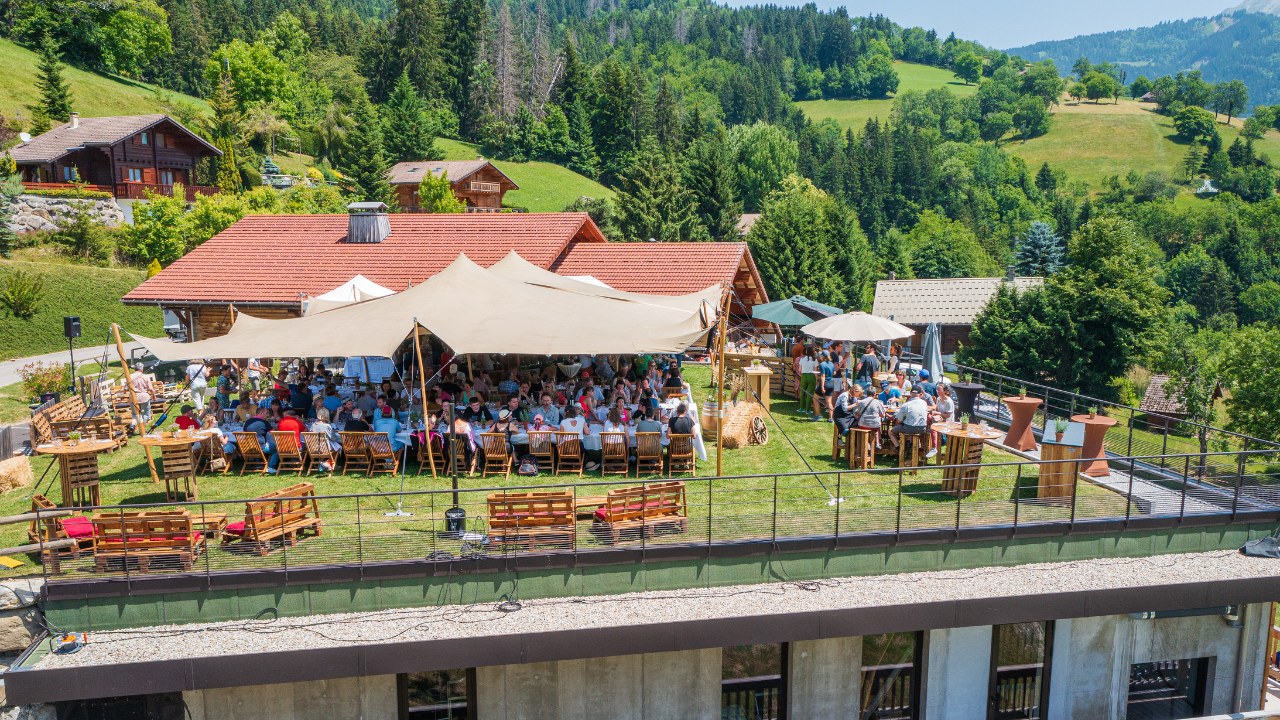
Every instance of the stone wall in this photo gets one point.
(37, 212)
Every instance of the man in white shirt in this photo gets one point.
(253, 371)
(912, 417)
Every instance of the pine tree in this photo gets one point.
(653, 203)
(466, 25)
(435, 195)
(227, 132)
(709, 174)
(1193, 161)
(581, 153)
(611, 122)
(575, 78)
(1040, 253)
(55, 92)
(406, 131)
(666, 118)
(1045, 180)
(419, 35)
(363, 161)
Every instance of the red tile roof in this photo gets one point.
(270, 259)
(663, 268)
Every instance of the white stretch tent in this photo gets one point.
(357, 289)
(475, 311)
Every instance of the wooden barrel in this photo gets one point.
(710, 414)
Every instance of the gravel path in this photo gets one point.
(553, 614)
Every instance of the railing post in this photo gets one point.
(1075, 492)
(709, 514)
(1017, 497)
(1164, 445)
(1235, 500)
(897, 527)
(775, 508)
(1186, 470)
(1129, 450)
(959, 497)
(359, 535)
(839, 480)
(1128, 508)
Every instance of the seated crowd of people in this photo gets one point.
(870, 391)
(584, 395)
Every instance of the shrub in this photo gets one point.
(41, 378)
(71, 193)
(22, 292)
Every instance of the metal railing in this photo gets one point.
(887, 691)
(1018, 691)
(883, 505)
(755, 698)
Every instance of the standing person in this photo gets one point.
(825, 387)
(868, 366)
(253, 374)
(226, 386)
(141, 383)
(198, 382)
(806, 367)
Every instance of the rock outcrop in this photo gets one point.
(38, 212)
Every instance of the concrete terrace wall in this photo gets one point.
(138, 609)
(367, 698)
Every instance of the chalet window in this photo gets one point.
(133, 175)
(145, 138)
(166, 177)
(161, 140)
(68, 173)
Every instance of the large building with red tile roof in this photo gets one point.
(266, 265)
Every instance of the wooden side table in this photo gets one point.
(78, 469)
(1058, 479)
(1022, 409)
(964, 452)
(1093, 455)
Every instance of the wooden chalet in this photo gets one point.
(1164, 404)
(268, 265)
(953, 303)
(125, 155)
(478, 183)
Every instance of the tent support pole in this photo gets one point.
(422, 378)
(453, 445)
(721, 331)
(133, 399)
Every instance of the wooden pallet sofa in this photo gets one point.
(282, 515)
(532, 518)
(641, 511)
(167, 538)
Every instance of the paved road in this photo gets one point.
(9, 368)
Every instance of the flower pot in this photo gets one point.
(964, 426)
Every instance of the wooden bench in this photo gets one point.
(56, 525)
(532, 518)
(282, 515)
(641, 511)
(166, 537)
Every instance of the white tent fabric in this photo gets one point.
(857, 326)
(517, 268)
(357, 289)
(589, 279)
(473, 311)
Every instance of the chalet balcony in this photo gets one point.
(127, 191)
(484, 187)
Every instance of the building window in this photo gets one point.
(144, 138)
(166, 177)
(1019, 671)
(1169, 689)
(891, 676)
(439, 695)
(133, 175)
(751, 685)
(69, 173)
(162, 140)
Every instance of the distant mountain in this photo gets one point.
(1240, 44)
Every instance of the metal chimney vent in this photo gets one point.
(367, 222)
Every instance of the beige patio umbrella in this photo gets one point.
(857, 326)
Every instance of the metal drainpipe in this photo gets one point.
(1237, 695)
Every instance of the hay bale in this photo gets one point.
(15, 472)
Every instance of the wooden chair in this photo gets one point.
(497, 454)
(672, 392)
(318, 450)
(532, 518)
(649, 453)
(542, 445)
(56, 525)
(179, 466)
(213, 450)
(382, 458)
(289, 451)
(862, 446)
(41, 429)
(613, 453)
(282, 515)
(568, 452)
(252, 456)
(635, 512)
(168, 537)
(431, 456)
(680, 456)
(355, 452)
(458, 455)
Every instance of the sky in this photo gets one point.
(1013, 23)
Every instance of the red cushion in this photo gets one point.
(235, 528)
(78, 527)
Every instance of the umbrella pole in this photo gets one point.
(133, 399)
(721, 332)
(422, 378)
(399, 511)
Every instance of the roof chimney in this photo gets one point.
(75, 120)
(367, 222)
(893, 275)
(1009, 273)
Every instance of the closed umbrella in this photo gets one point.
(795, 310)
(932, 351)
(857, 326)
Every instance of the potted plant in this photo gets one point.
(964, 421)
(74, 437)
(170, 431)
(1093, 411)
(1060, 427)
(1022, 391)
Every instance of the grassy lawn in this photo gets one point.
(544, 187)
(1093, 142)
(93, 95)
(739, 507)
(93, 293)
(856, 113)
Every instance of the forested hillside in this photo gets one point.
(1236, 46)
